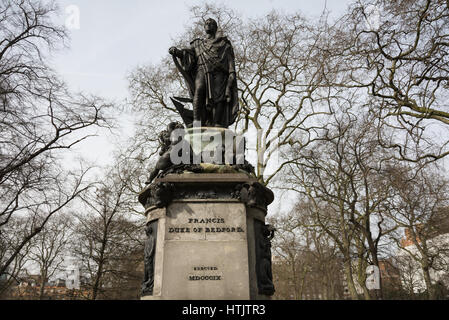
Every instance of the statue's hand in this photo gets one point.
(172, 51)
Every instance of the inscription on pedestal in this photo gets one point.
(212, 222)
(204, 273)
(207, 249)
(207, 221)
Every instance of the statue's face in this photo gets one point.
(210, 26)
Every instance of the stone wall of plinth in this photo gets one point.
(208, 238)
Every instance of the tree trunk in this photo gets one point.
(365, 292)
(97, 280)
(42, 283)
(99, 271)
(428, 281)
(350, 280)
(373, 251)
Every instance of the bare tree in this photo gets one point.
(419, 208)
(307, 263)
(10, 239)
(395, 53)
(39, 118)
(49, 248)
(343, 177)
(409, 275)
(289, 271)
(106, 236)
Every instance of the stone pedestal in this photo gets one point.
(208, 237)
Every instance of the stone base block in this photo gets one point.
(209, 249)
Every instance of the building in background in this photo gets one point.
(70, 275)
(67, 283)
(437, 246)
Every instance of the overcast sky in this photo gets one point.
(115, 36)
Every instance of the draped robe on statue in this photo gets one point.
(206, 67)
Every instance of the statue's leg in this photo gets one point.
(199, 96)
(218, 114)
(219, 88)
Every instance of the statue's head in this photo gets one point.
(211, 26)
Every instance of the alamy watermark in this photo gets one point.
(72, 21)
(372, 17)
(222, 146)
(373, 279)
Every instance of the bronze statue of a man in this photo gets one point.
(208, 67)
